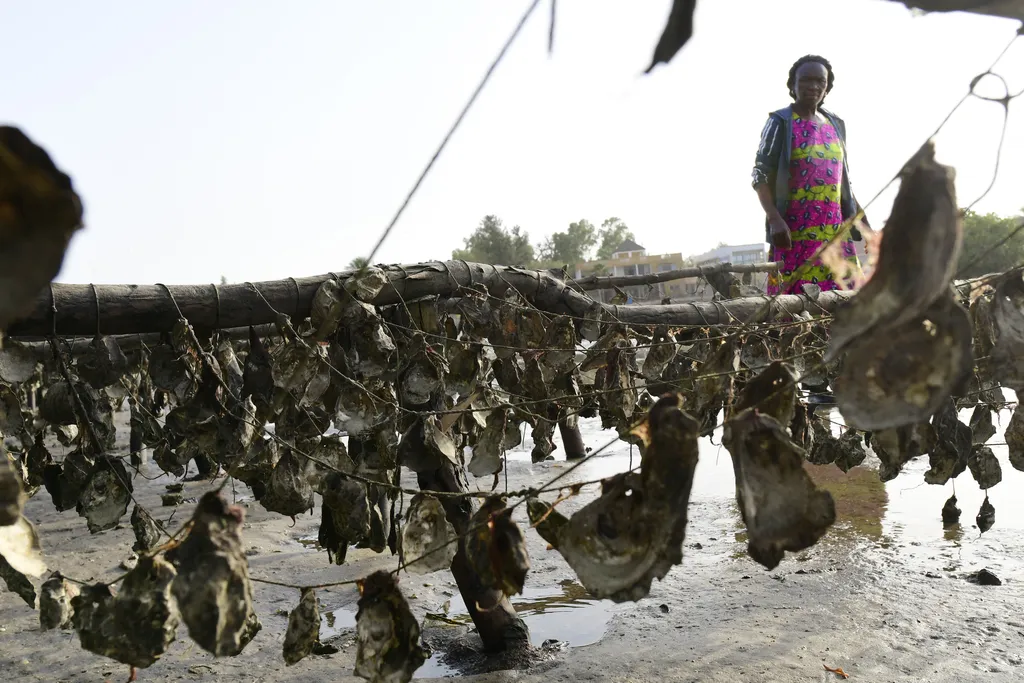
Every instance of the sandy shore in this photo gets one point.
(884, 595)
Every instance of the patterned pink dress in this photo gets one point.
(813, 211)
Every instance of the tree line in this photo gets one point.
(492, 242)
(991, 244)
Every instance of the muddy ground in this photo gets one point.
(884, 596)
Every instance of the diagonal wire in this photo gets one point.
(454, 127)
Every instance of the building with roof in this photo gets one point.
(628, 249)
(630, 258)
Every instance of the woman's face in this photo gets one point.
(811, 82)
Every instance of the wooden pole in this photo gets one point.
(592, 282)
(84, 310)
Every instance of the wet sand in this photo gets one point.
(884, 595)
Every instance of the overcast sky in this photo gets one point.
(259, 140)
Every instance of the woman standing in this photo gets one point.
(802, 180)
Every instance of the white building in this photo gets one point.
(734, 254)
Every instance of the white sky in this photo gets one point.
(258, 140)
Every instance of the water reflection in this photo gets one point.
(913, 517)
(563, 612)
(903, 513)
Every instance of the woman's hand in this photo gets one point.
(780, 232)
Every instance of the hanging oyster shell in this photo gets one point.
(904, 375)
(171, 372)
(982, 428)
(17, 362)
(466, 364)
(500, 435)
(896, 447)
(772, 392)
(1005, 362)
(712, 384)
(105, 496)
(423, 374)
(55, 596)
(825, 446)
(508, 374)
(349, 504)
(290, 489)
(389, 647)
(660, 354)
(366, 283)
(780, 505)
(428, 539)
(560, 342)
(633, 533)
(66, 480)
(103, 364)
(617, 393)
(12, 496)
(496, 549)
(147, 533)
(135, 626)
(11, 419)
(20, 558)
(36, 460)
(851, 450)
(145, 430)
(303, 628)
(985, 467)
(358, 413)
(948, 457)
(543, 436)
(986, 518)
(42, 212)
(257, 372)
(425, 447)
(755, 354)
(368, 345)
(950, 512)
(212, 588)
(1014, 436)
(302, 370)
(916, 261)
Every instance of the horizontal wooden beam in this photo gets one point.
(592, 282)
(84, 310)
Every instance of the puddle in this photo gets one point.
(332, 623)
(311, 541)
(563, 612)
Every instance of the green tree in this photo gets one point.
(991, 244)
(572, 246)
(613, 232)
(492, 243)
(358, 263)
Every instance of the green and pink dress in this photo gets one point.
(813, 208)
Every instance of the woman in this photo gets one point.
(802, 180)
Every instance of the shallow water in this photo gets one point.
(913, 518)
(889, 527)
(563, 612)
(903, 513)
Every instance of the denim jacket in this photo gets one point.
(771, 165)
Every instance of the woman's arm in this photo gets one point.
(766, 161)
(766, 164)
